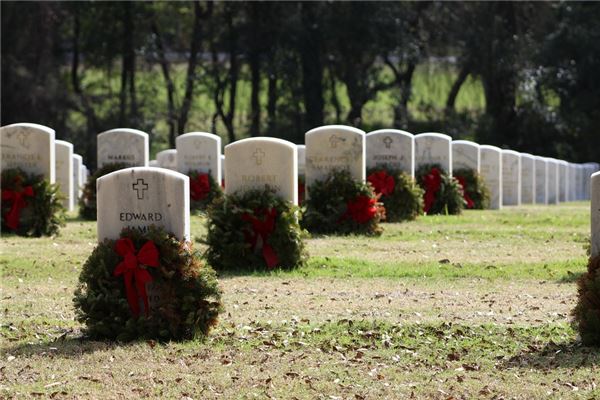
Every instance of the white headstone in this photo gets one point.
(527, 178)
(465, 155)
(572, 171)
(29, 147)
(301, 159)
(595, 211)
(491, 172)
(541, 180)
(511, 178)
(153, 163)
(201, 152)
(579, 182)
(78, 180)
(141, 197)
(563, 181)
(64, 172)
(334, 147)
(123, 145)
(167, 159)
(392, 148)
(552, 179)
(433, 148)
(254, 163)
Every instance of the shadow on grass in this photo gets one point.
(67, 347)
(555, 355)
(570, 277)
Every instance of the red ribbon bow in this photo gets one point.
(432, 181)
(132, 270)
(362, 209)
(383, 183)
(12, 217)
(262, 228)
(200, 187)
(463, 184)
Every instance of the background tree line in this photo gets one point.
(243, 69)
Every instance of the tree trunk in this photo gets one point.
(191, 70)
(312, 67)
(162, 59)
(401, 115)
(272, 103)
(455, 89)
(254, 95)
(334, 98)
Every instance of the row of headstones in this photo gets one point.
(513, 178)
(34, 149)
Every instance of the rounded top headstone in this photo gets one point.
(139, 197)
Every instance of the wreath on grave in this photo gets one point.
(255, 230)
(203, 190)
(476, 194)
(112, 298)
(339, 204)
(31, 206)
(443, 193)
(400, 194)
(587, 311)
(87, 202)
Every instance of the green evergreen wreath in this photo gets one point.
(256, 230)
(203, 190)
(341, 205)
(443, 193)
(587, 311)
(400, 194)
(187, 306)
(87, 202)
(476, 194)
(31, 206)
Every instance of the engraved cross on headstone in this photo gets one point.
(23, 139)
(258, 156)
(334, 140)
(140, 187)
(388, 142)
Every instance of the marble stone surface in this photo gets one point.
(595, 211)
(511, 178)
(301, 159)
(579, 182)
(541, 180)
(334, 147)
(465, 154)
(79, 176)
(433, 148)
(140, 197)
(153, 163)
(29, 147)
(572, 182)
(64, 172)
(491, 172)
(392, 148)
(123, 145)
(167, 159)
(563, 181)
(199, 151)
(527, 178)
(552, 179)
(254, 163)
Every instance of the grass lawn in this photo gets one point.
(445, 307)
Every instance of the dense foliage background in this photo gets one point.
(519, 75)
